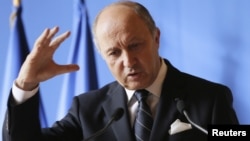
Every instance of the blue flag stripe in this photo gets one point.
(81, 53)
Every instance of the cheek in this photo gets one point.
(114, 66)
(111, 62)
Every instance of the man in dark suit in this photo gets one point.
(128, 40)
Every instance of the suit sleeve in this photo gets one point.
(22, 121)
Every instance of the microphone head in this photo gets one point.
(118, 114)
(180, 106)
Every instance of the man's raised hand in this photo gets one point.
(39, 64)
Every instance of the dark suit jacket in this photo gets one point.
(207, 103)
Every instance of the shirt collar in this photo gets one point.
(156, 86)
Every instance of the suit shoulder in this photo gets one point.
(103, 91)
(180, 77)
(198, 81)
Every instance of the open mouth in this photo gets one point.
(134, 76)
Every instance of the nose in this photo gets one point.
(129, 59)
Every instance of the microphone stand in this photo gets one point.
(194, 124)
(181, 108)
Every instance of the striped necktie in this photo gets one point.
(144, 121)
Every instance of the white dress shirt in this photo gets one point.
(20, 95)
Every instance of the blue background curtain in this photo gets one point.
(206, 38)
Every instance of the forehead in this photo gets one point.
(117, 14)
(116, 10)
(118, 18)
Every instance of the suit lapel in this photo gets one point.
(167, 111)
(118, 99)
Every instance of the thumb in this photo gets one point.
(67, 68)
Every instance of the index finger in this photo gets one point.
(58, 40)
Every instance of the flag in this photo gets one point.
(81, 53)
(16, 53)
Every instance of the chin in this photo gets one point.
(135, 86)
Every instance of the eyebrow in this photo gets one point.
(110, 49)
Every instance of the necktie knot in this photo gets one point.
(141, 94)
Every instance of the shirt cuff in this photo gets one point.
(20, 95)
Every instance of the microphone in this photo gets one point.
(116, 116)
(182, 109)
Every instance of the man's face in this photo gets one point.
(128, 47)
